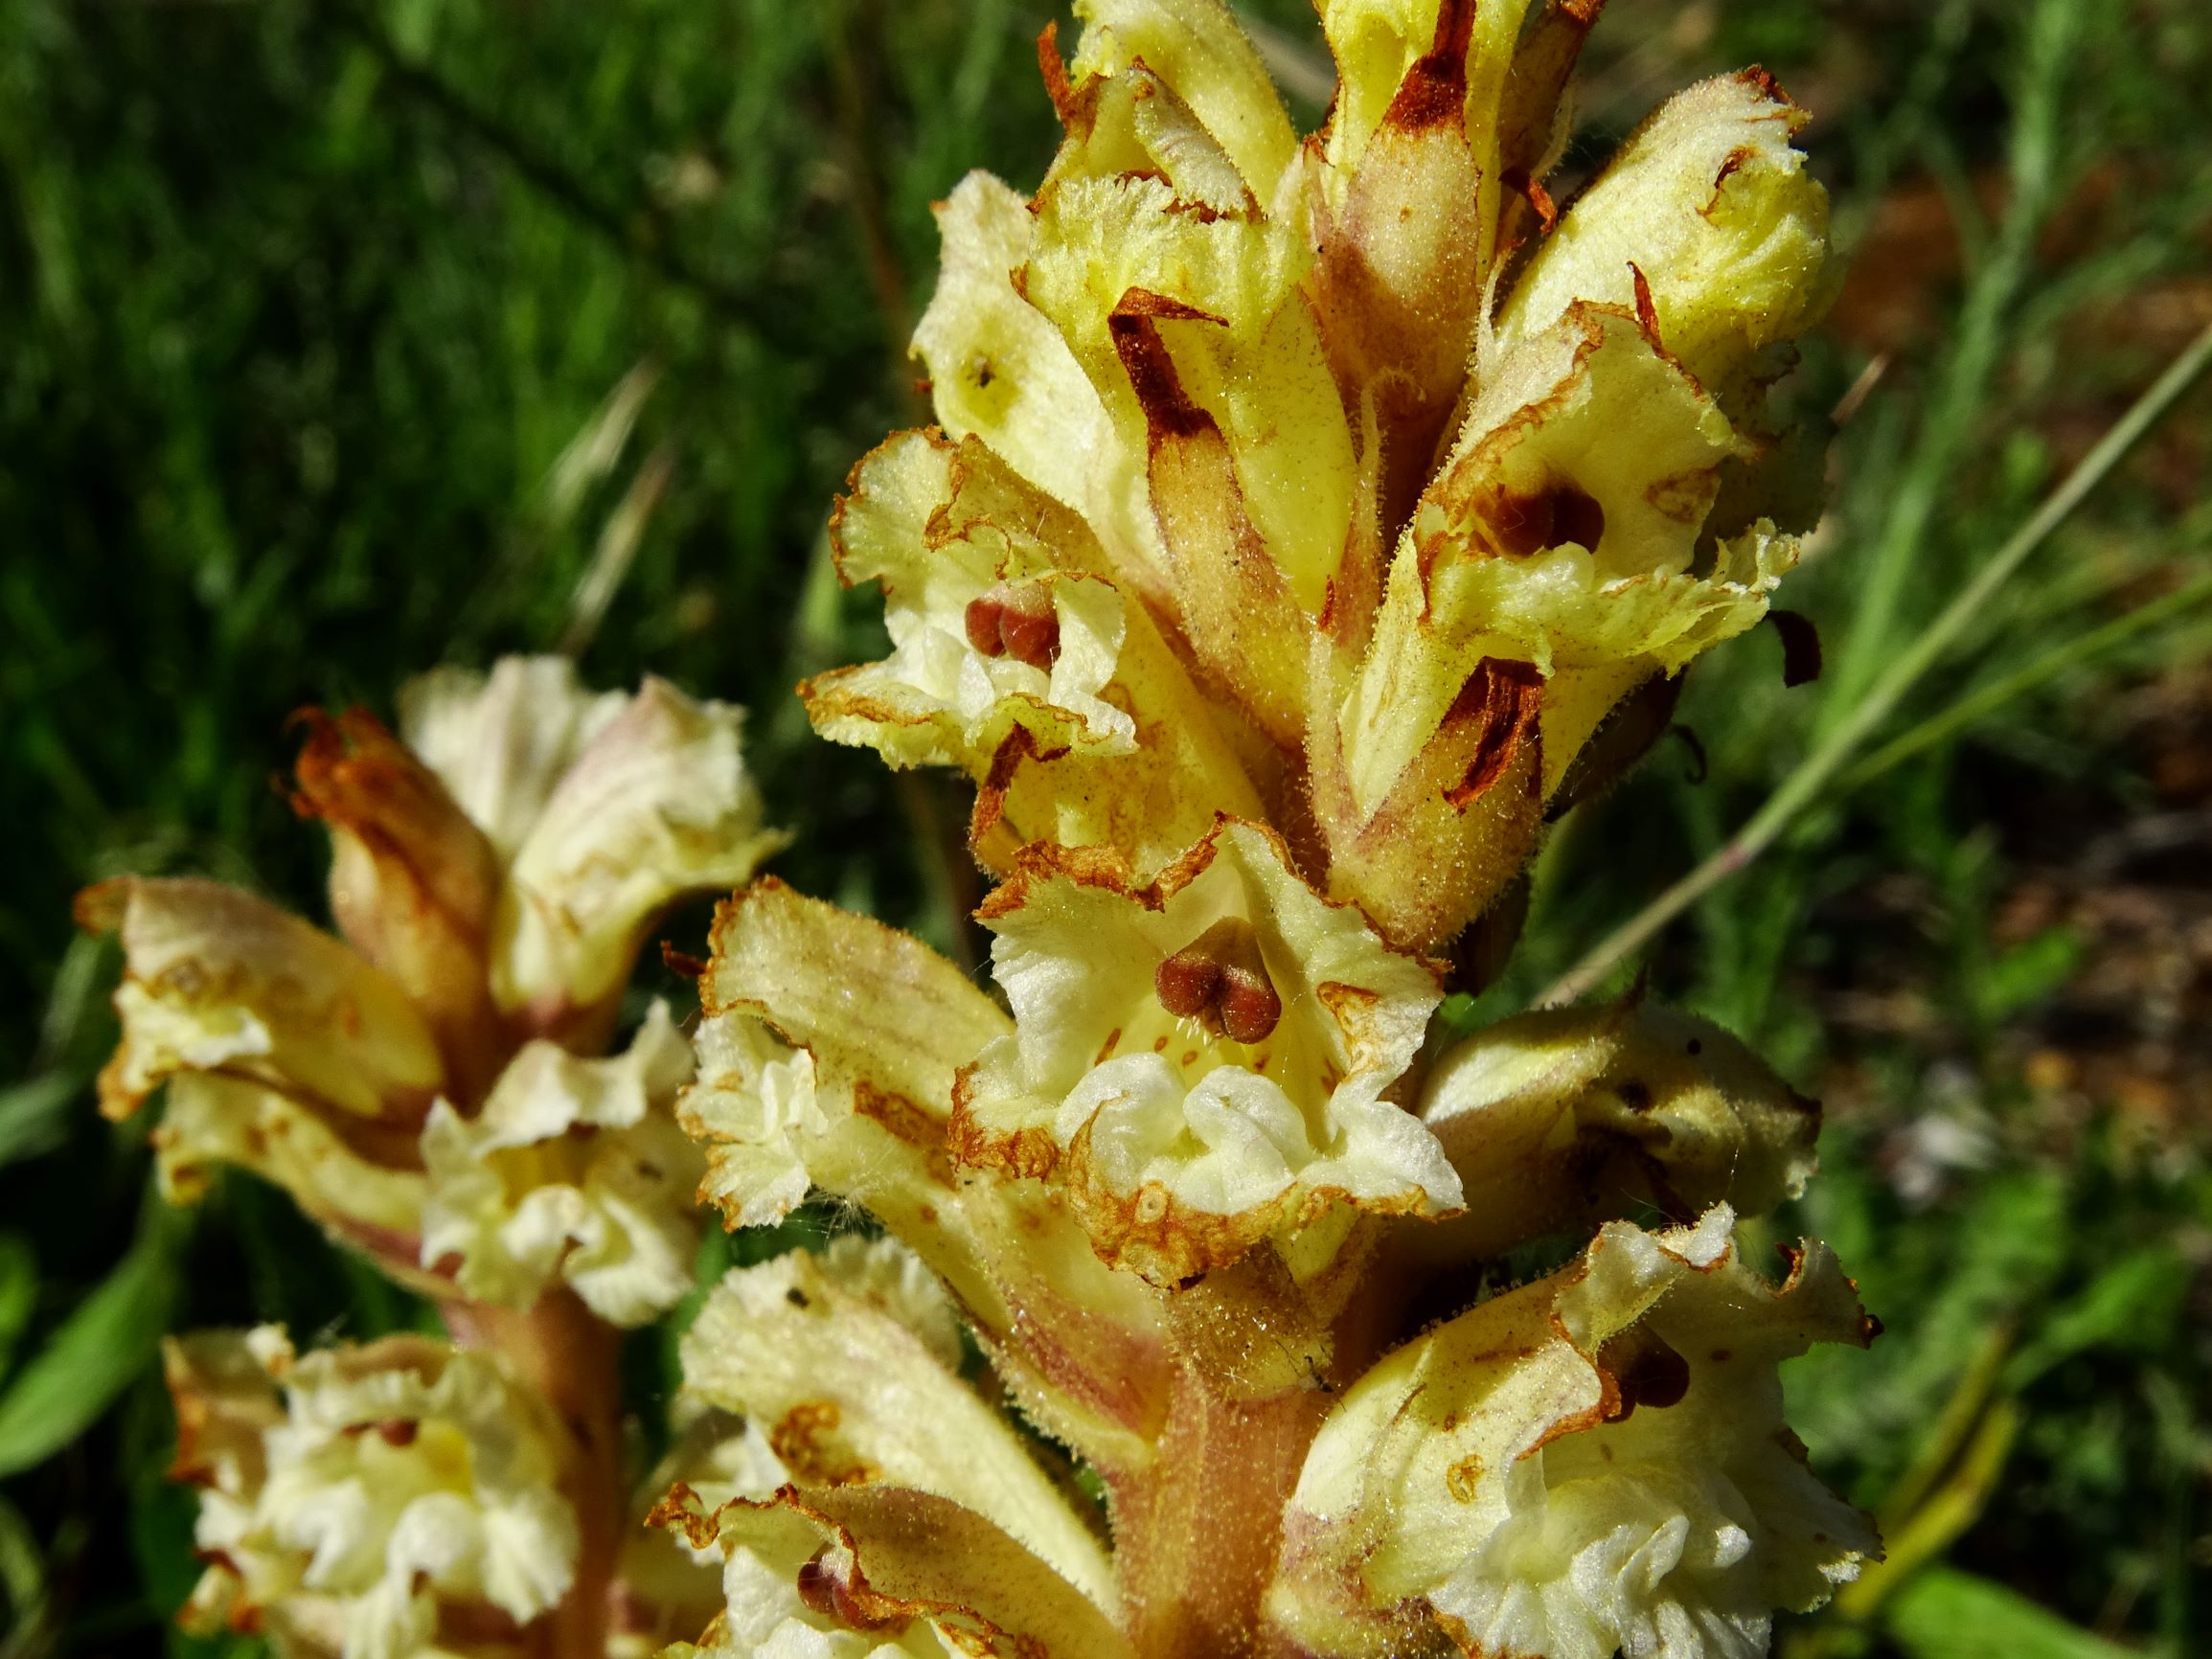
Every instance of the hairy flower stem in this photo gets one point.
(1195, 1535)
(571, 1357)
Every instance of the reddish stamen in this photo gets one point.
(982, 621)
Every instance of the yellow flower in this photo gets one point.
(1596, 1461)
(992, 624)
(575, 1171)
(1414, 515)
(1018, 659)
(283, 1050)
(829, 1048)
(355, 1500)
(1200, 1062)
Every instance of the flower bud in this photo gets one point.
(1410, 182)
(1563, 1118)
(1707, 217)
(413, 880)
(502, 742)
(657, 805)
(1546, 573)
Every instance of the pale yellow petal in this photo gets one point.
(572, 1170)
(659, 804)
(1586, 434)
(217, 980)
(1596, 1461)
(355, 1497)
(856, 1387)
(502, 742)
(213, 1119)
(1712, 204)
(1180, 1146)
(998, 368)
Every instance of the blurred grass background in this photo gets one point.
(341, 339)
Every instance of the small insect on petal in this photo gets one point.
(1219, 979)
(1015, 619)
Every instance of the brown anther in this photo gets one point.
(1221, 981)
(398, 1431)
(1187, 984)
(1017, 620)
(1645, 1371)
(818, 1589)
(830, 1598)
(1553, 517)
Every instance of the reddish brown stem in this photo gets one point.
(571, 1358)
(1196, 1534)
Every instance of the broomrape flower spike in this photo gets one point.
(429, 1088)
(493, 876)
(1305, 521)
(1421, 476)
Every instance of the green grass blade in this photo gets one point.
(99, 1348)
